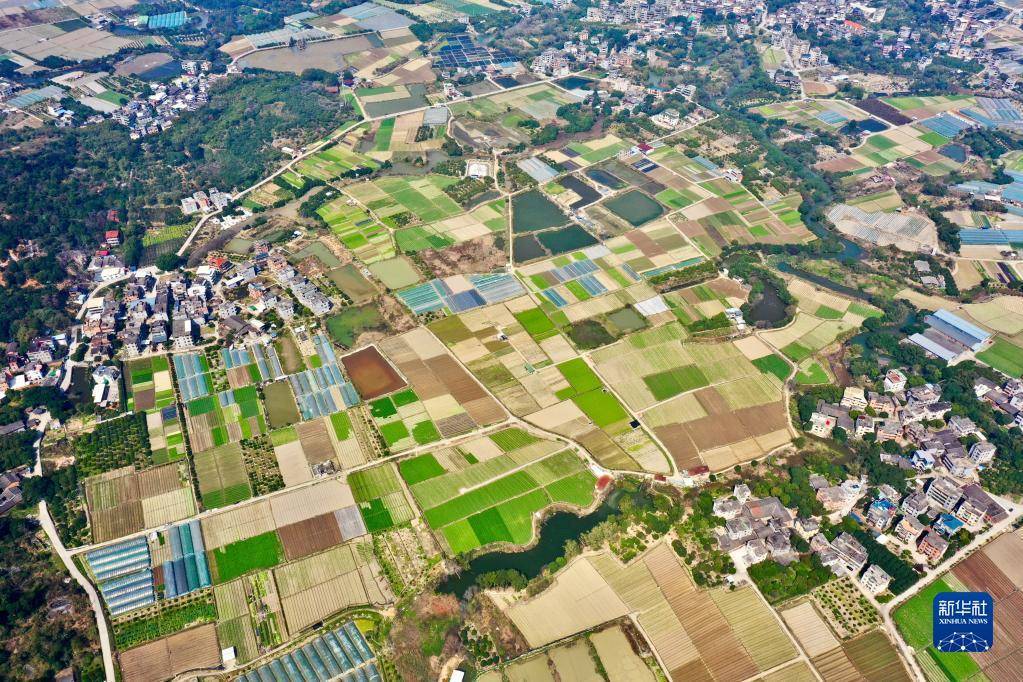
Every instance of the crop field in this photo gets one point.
(573, 663)
(222, 477)
(709, 404)
(316, 587)
(396, 273)
(480, 504)
(520, 371)
(192, 649)
(480, 221)
(369, 240)
(446, 400)
(994, 569)
(868, 656)
(380, 497)
(807, 335)
(822, 114)
(914, 144)
(498, 115)
(227, 417)
(398, 136)
(334, 162)
(697, 634)
(241, 557)
(1004, 356)
(583, 154)
(123, 501)
(113, 444)
(397, 201)
(733, 214)
(149, 383)
(166, 439)
(241, 367)
(705, 301)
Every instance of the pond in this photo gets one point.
(587, 195)
(576, 82)
(605, 178)
(823, 282)
(769, 308)
(555, 532)
(532, 211)
(566, 239)
(526, 249)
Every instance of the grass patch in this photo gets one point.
(812, 375)
(420, 468)
(1005, 357)
(664, 385)
(773, 364)
(238, 558)
(425, 432)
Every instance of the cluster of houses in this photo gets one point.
(38, 366)
(201, 202)
(1007, 398)
(909, 416)
(156, 112)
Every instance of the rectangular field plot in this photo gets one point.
(358, 231)
(125, 501)
(446, 401)
(413, 198)
(222, 476)
(149, 383)
(380, 497)
(696, 634)
(334, 162)
(227, 417)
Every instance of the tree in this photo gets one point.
(169, 261)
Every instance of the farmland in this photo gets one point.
(709, 403)
(995, 570)
(520, 370)
(696, 633)
(473, 499)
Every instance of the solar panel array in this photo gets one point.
(437, 294)
(461, 52)
(123, 574)
(339, 654)
(193, 382)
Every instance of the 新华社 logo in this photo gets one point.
(963, 622)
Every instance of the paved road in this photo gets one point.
(94, 600)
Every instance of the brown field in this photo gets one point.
(108, 524)
(875, 657)
(371, 374)
(836, 665)
(310, 536)
(979, 573)
(315, 441)
(165, 658)
(145, 399)
(238, 377)
(159, 480)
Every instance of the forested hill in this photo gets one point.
(58, 185)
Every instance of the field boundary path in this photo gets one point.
(97, 606)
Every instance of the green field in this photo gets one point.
(773, 364)
(535, 322)
(238, 558)
(382, 502)
(812, 375)
(499, 509)
(420, 468)
(1005, 357)
(797, 351)
(671, 382)
(512, 439)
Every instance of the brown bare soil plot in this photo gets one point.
(163, 659)
(694, 671)
(238, 377)
(762, 419)
(310, 536)
(159, 480)
(981, 575)
(875, 657)
(145, 399)
(1007, 669)
(315, 441)
(372, 375)
(835, 666)
(1006, 552)
(676, 439)
(108, 524)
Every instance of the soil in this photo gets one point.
(475, 255)
(396, 317)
